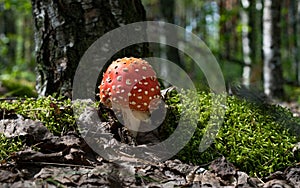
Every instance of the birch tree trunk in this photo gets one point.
(65, 29)
(273, 76)
(246, 43)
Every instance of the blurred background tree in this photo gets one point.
(232, 29)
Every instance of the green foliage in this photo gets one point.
(56, 114)
(254, 137)
(7, 146)
(22, 6)
(18, 88)
(16, 40)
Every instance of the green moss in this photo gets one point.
(18, 88)
(7, 146)
(56, 114)
(254, 137)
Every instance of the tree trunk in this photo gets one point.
(295, 18)
(246, 43)
(255, 36)
(167, 8)
(273, 75)
(65, 29)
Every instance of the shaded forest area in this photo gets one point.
(255, 42)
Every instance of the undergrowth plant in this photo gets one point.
(55, 113)
(257, 138)
(7, 146)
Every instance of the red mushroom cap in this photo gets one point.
(130, 82)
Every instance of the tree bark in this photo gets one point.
(246, 43)
(273, 75)
(65, 29)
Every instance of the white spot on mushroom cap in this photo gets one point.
(113, 87)
(119, 78)
(138, 106)
(128, 82)
(152, 89)
(136, 70)
(125, 69)
(140, 97)
(145, 83)
(140, 90)
(144, 68)
(129, 94)
(146, 92)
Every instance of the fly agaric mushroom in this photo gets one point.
(130, 85)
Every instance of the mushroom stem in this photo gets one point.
(133, 119)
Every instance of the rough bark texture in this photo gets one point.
(64, 31)
(273, 76)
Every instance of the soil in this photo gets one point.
(68, 161)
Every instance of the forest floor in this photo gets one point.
(68, 161)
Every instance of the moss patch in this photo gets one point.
(7, 146)
(56, 114)
(255, 137)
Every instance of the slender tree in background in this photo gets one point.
(229, 39)
(255, 36)
(251, 19)
(273, 75)
(167, 8)
(295, 18)
(65, 29)
(246, 42)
